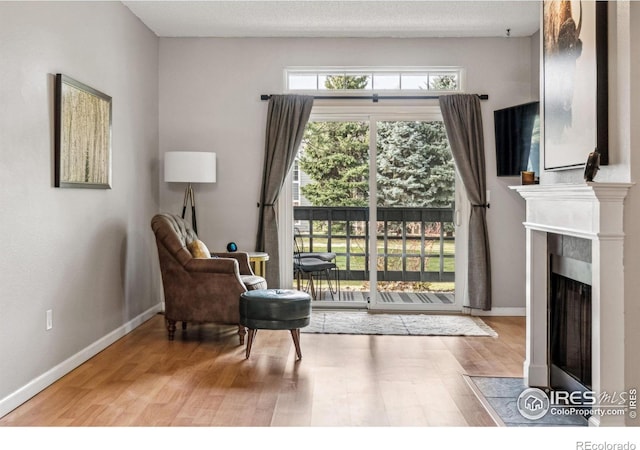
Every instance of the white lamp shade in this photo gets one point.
(190, 167)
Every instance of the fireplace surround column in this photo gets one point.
(536, 364)
(592, 211)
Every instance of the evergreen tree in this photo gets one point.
(415, 166)
(346, 81)
(414, 162)
(335, 155)
(444, 83)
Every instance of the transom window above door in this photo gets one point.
(407, 80)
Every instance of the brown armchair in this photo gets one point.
(203, 289)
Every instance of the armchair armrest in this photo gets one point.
(213, 265)
(243, 261)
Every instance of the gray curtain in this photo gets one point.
(463, 122)
(286, 119)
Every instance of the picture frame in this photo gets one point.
(82, 135)
(575, 82)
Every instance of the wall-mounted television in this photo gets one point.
(517, 131)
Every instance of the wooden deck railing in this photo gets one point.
(414, 244)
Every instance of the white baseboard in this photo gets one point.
(15, 399)
(535, 375)
(507, 311)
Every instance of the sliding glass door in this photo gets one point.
(414, 243)
(331, 207)
(379, 192)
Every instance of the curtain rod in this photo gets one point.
(376, 97)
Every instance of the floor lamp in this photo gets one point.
(190, 167)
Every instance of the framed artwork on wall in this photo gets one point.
(82, 135)
(575, 81)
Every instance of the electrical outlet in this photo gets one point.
(49, 319)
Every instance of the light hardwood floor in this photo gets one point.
(203, 379)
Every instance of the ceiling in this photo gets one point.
(334, 18)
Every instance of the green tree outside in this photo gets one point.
(444, 83)
(414, 162)
(415, 166)
(336, 156)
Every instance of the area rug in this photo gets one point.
(499, 396)
(362, 322)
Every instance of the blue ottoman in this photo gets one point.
(275, 309)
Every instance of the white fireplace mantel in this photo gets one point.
(592, 211)
(584, 210)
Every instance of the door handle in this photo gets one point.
(457, 218)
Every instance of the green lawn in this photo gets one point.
(394, 262)
(397, 286)
(393, 251)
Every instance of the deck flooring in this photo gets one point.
(420, 298)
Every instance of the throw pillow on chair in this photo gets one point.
(198, 249)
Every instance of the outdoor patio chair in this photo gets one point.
(313, 267)
(324, 256)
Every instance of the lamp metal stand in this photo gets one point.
(189, 196)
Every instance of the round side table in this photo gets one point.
(258, 261)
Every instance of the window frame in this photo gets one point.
(400, 71)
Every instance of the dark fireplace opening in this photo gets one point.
(569, 320)
(570, 332)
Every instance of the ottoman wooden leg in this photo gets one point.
(250, 337)
(295, 334)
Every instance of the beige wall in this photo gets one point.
(210, 101)
(89, 255)
(535, 65)
(82, 253)
(631, 54)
